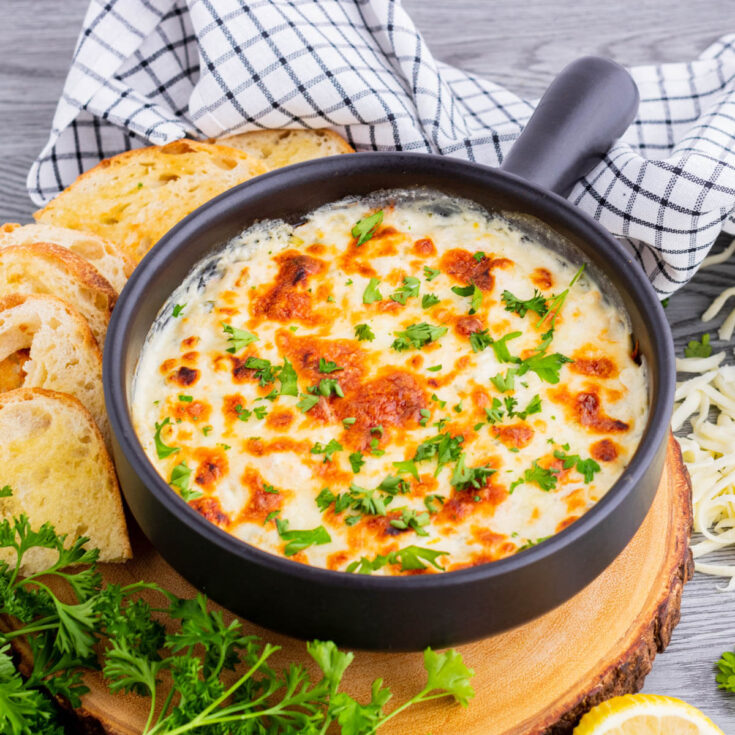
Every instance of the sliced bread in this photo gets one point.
(57, 351)
(54, 460)
(276, 148)
(107, 258)
(134, 198)
(50, 269)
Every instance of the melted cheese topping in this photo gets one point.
(485, 468)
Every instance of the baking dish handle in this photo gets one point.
(584, 110)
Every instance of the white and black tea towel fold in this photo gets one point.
(151, 71)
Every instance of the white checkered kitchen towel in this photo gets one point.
(151, 71)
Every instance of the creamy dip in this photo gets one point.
(406, 387)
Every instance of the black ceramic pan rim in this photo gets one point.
(638, 290)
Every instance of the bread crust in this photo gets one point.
(56, 403)
(112, 264)
(75, 335)
(73, 269)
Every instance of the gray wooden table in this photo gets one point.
(521, 45)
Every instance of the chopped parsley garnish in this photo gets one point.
(410, 558)
(430, 273)
(325, 498)
(364, 333)
(586, 467)
(185, 399)
(238, 338)
(273, 514)
(260, 412)
(434, 368)
(375, 449)
(416, 336)
(543, 477)
(428, 300)
(443, 447)
(162, 449)
(413, 520)
(534, 406)
(480, 340)
(371, 293)
(327, 449)
(464, 478)
(178, 308)
(242, 413)
(270, 489)
(479, 256)
(436, 399)
(699, 349)
(505, 383)
(409, 289)
(365, 228)
(558, 302)
(327, 387)
(470, 290)
(299, 540)
(265, 372)
(537, 303)
(409, 467)
(547, 367)
(356, 461)
(206, 430)
(495, 412)
(349, 421)
(181, 480)
(288, 379)
(500, 347)
(430, 501)
(307, 402)
(425, 416)
(328, 366)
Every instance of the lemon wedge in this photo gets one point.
(645, 714)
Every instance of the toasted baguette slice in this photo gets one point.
(53, 458)
(50, 269)
(58, 351)
(134, 198)
(107, 258)
(276, 148)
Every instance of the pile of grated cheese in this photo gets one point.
(709, 449)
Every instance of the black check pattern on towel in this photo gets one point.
(151, 71)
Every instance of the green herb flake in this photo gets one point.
(181, 480)
(162, 449)
(307, 402)
(327, 449)
(365, 228)
(428, 300)
(356, 461)
(328, 366)
(371, 293)
(288, 379)
(430, 273)
(409, 289)
(185, 399)
(537, 303)
(178, 308)
(417, 335)
(300, 540)
(364, 333)
(238, 338)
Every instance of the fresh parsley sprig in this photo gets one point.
(113, 628)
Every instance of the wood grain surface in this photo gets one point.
(521, 45)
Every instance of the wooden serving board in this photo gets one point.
(533, 680)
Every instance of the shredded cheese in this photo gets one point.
(709, 456)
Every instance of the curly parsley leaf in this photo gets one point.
(545, 478)
(365, 228)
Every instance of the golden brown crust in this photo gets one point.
(70, 262)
